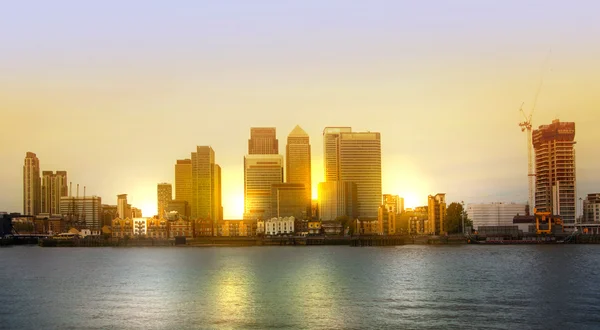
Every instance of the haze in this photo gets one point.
(114, 92)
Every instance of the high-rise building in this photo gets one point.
(289, 199)
(206, 185)
(436, 222)
(360, 162)
(337, 199)
(298, 169)
(494, 214)
(82, 211)
(181, 207)
(386, 220)
(555, 188)
(164, 195)
(54, 186)
(331, 151)
(260, 172)
(183, 180)
(263, 141)
(393, 203)
(591, 208)
(123, 209)
(31, 185)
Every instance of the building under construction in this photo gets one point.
(555, 188)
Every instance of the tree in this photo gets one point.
(346, 223)
(454, 218)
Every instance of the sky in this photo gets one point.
(114, 92)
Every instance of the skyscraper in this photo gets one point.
(331, 151)
(260, 172)
(555, 181)
(337, 199)
(206, 185)
(183, 180)
(297, 161)
(54, 186)
(31, 185)
(289, 199)
(123, 209)
(263, 141)
(436, 207)
(164, 194)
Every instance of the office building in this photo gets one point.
(31, 185)
(555, 182)
(331, 151)
(206, 185)
(54, 186)
(260, 172)
(123, 209)
(183, 180)
(436, 207)
(289, 199)
(297, 162)
(337, 199)
(263, 141)
(181, 207)
(164, 195)
(494, 214)
(591, 208)
(82, 212)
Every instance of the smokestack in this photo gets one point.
(70, 189)
(78, 190)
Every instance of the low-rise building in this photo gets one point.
(591, 208)
(368, 227)
(314, 227)
(332, 228)
(49, 224)
(139, 227)
(181, 228)
(280, 226)
(204, 228)
(157, 228)
(237, 228)
(494, 214)
(386, 221)
(122, 228)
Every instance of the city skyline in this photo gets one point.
(444, 95)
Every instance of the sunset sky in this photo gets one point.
(115, 91)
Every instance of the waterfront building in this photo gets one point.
(386, 220)
(280, 226)
(260, 227)
(238, 228)
(54, 186)
(263, 141)
(180, 206)
(436, 214)
(494, 214)
(260, 172)
(288, 199)
(181, 228)
(164, 194)
(331, 151)
(139, 227)
(135, 212)
(204, 227)
(417, 220)
(206, 185)
(298, 162)
(82, 212)
(314, 227)
(555, 181)
(123, 209)
(368, 227)
(332, 228)
(393, 203)
(591, 208)
(109, 212)
(183, 180)
(337, 199)
(122, 228)
(314, 209)
(50, 224)
(31, 185)
(157, 228)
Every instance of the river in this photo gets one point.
(319, 287)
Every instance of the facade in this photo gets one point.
(54, 186)
(280, 226)
(417, 220)
(260, 172)
(157, 228)
(263, 141)
(181, 228)
(337, 199)
(206, 185)
(122, 228)
(109, 212)
(494, 214)
(368, 227)
(314, 227)
(140, 226)
(164, 194)
(135, 212)
(297, 162)
(183, 180)
(31, 185)
(180, 206)
(436, 214)
(591, 208)
(393, 203)
(204, 228)
(331, 151)
(50, 224)
(237, 228)
(123, 209)
(386, 220)
(82, 212)
(288, 199)
(332, 228)
(555, 182)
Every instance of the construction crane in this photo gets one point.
(526, 126)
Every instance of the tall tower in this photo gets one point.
(123, 209)
(164, 194)
(360, 162)
(206, 185)
(260, 172)
(298, 161)
(331, 151)
(263, 141)
(183, 180)
(54, 186)
(555, 186)
(31, 185)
